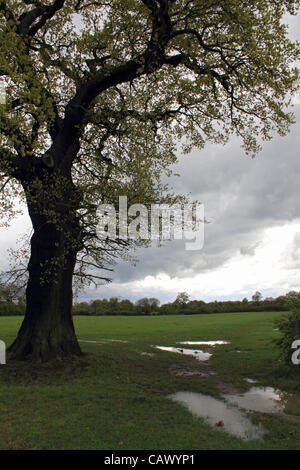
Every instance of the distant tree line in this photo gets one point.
(12, 298)
(8, 309)
(182, 305)
(116, 306)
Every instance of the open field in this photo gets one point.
(114, 397)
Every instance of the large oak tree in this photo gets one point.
(98, 96)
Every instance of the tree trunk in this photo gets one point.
(47, 331)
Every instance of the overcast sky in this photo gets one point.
(252, 241)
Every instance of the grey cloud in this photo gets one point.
(291, 257)
(249, 250)
(242, 197)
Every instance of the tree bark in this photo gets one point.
(47, 331)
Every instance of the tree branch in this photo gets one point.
(43, 12)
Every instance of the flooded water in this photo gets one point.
(197, 353)
(207, 343)
(264, 399)
(230, 414)
(220, 414)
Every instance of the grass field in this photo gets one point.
(115, 398)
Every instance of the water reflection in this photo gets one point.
(218, 413)
(228, 413)
(207, 343)
(265, 400)
(197, 353)
(250, 381)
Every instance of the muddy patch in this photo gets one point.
(227, 388)
(220, 414)
(291, 403)
(189, 372)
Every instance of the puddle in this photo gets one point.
(197, 353)
(208, 343)
(147, 354)
(116, 340)
(220, 414)
(250, 381)
(265, 400)
(229, 415)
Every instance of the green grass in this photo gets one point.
(115, 398)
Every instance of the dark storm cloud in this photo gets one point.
(241, 196)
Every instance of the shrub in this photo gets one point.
(286, 326)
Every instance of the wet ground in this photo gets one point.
(189, 372)
(230, 413)
(207, 343)
(197, 353)
(220, 414)
(263, 399)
